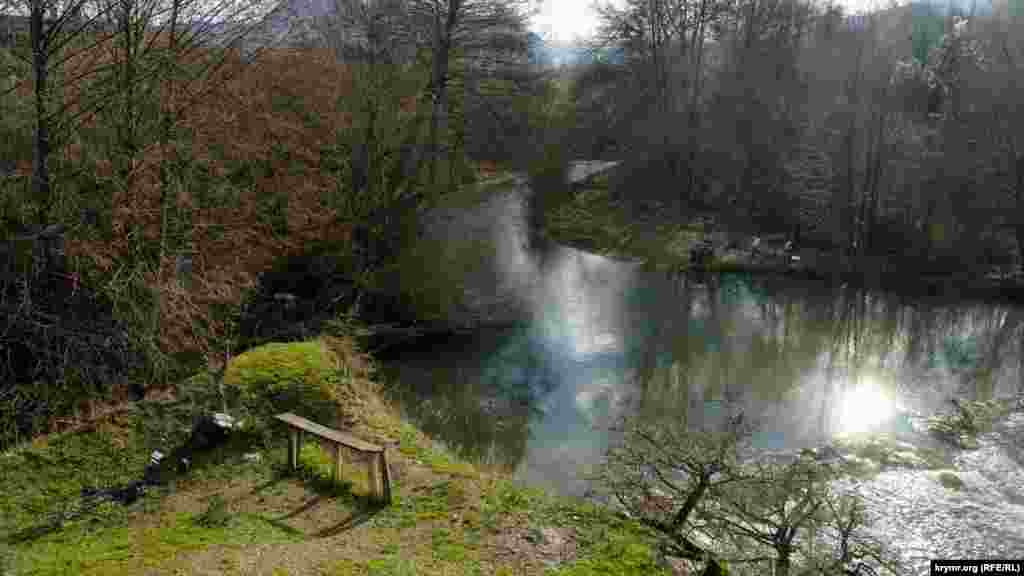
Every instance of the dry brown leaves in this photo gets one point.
(239, 119)
(243, 121)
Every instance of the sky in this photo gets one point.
(563, 20)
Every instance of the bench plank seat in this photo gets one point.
(328, 433)
(380, 484)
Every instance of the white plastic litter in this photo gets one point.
(223, 420)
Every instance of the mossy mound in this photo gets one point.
(885, 452)
(950, 480)
(327, 380)
(305, 378)
(962, 426)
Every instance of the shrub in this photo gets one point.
(321, 288)
(549, 183)
(950, 480)
(301, 377)
(59, 340)
(216, 514)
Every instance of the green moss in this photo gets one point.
(950, 480)
(216, 514)
(885, 451)
(412, 443)
(472, 195)
(588, 220)
(39, 479)
(962, 426)
(345, 567)
(509, 498)
(448, 548)
(407, 511)
(625, 556)
(391, 566)
(299, 377)
(125, 550)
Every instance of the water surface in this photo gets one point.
(592, 339)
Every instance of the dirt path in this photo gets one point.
(336, 536)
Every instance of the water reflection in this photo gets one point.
(813, 361)
(864, 407)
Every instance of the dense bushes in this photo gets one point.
(195, 175)
(295, 298)
(179, 240)
(59, 341)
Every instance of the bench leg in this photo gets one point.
(371, 477)
(385, 472)
(338, 463)
(293, 448)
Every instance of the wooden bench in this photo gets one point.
(380, 484)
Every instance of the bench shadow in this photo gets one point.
(361, 516)
(306, 507)
(274, 481)
(364, 508)
(363, 511)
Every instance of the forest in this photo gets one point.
(891, 133)
(188, 186)
(163, 159)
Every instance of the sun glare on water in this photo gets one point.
(864, 408)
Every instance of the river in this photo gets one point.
(589, 339)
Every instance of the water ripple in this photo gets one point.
(921, 519)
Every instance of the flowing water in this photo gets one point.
(591, 338)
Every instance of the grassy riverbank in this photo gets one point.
(234, 515)
(592, 220)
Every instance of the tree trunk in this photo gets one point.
(782, 565)
(713, 568)
(869, 196)
(696, 54)
(130, 55)
(436, 76)
(439, 79)
(166, 133)
(41, 143)
(1019, 220)
(748, 180)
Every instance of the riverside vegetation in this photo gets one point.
(178, 172)
(233, 515)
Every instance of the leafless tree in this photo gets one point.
(693, 485)
(661, 475)
(663, 42)
(1003, 89)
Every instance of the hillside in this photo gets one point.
(239, 511)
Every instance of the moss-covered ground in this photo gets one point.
(235, 514)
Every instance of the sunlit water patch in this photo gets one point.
(865, 407)
(811, 361)
(921, 519)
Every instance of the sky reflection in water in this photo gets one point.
(811, 361)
